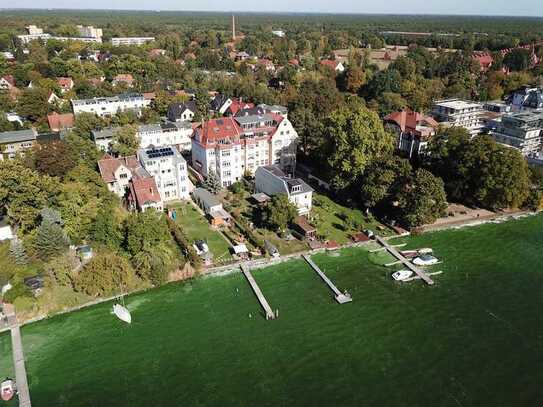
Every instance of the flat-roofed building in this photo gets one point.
(459, 113)
(523, 131)
(118, 41)
(109, 106)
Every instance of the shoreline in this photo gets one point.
(222, 271)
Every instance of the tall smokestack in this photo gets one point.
(233, 28)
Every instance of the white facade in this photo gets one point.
(166, 134)
(523, 131)
(460, 113)
(170, 171)
(130, 40)
(272, 181)
(253, 142)
(109, 106)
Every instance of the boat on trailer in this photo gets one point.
(7, 389)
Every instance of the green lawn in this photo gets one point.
(472, 339)
(326, 215)
(197, 227)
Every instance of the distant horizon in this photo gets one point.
(467, 8)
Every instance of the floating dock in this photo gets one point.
(419, 272)
(256, 289)
(340, 297)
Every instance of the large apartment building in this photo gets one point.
(87, 34)
(157, 135)
(118, 41)
(233, 146)
(170, 171)
(413, 130)
(460, 113)
(14, 142)
(523, 131)
(109, 106)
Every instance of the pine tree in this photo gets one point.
(18, 252)
(51, 239)
(212, 183)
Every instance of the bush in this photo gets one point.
(241, 223)
(18, 290)
(183, 242)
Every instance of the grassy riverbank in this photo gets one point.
(472, 339)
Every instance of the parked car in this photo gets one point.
(402, 275)
(425, 260)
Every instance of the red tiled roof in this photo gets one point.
(124, 77)
(9, 79)
(237, 105)
(65, 83)
(144, 190)
(484, 59)
(408, 120)
(60, 121)
(108, 166)
(149, 95)
(329, 63)
(218, 129)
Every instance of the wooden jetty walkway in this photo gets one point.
(267, 309)
(340, 297)
(419, 272)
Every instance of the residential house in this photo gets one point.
(413, 130)
(103, 138)
(7, 82)
(16, 142)
(123, 78)
(336, 66)
(262, 109)
(527, 98)
(241, 56)
(170, 171)
(220, 103)
(157, 52)
(459, 113)
(237, 105)
(58, 122)
(109, 106)
(523, 131)
(212, 207)
(270, 180)
(266, 63)
(118, 41)
(66, 84)
(233, 146)
(53, 99)
(117, 173)
(484, 59)
(166, 134)
(182, 112)
(143, 194)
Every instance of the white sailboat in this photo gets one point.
(122, 313)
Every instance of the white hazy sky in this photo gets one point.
(483, 7)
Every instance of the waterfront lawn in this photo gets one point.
(197, 227)
(472, 339)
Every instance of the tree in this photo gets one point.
(356, 137)
(279, 212)
(61, 269)
(32, 104)
(212, 182)
(355, 78)
(422, 200)
(125, 141)
(202, 105)
(53, 158)
(106, 274)
(518, 59)
(18, 252)
(105, 229)
(50, 238)
(85, 123)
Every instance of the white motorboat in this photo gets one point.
(425, 260)
(402, 275)
(7, 389)
(122, 313)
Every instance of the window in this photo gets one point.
(167, 194)
(123, 176)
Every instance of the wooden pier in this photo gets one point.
(18, 359)
(256, 289)
(340, 297)
(419, 272)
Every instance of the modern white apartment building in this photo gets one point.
(523, 131)
(459, 113)
(272, 181)
(109, 106)
(156, 135)
(33, 33)
(89, 31)
(170, 171)
(233, 146)
(117, 41)
(87, 34)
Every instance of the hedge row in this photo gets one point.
(182, 240)
(242, 224)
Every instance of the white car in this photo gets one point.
(402, 275)
(425, 260)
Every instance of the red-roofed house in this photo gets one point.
(143, 194)
(413, 130)
(125, 78)
(157, 52)
(267, 64)
(233, 146)
(7, 82)
(58, 122)
(66, 84)
(237, 105)
(117, 172)
(484, 59)
(335, 65)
